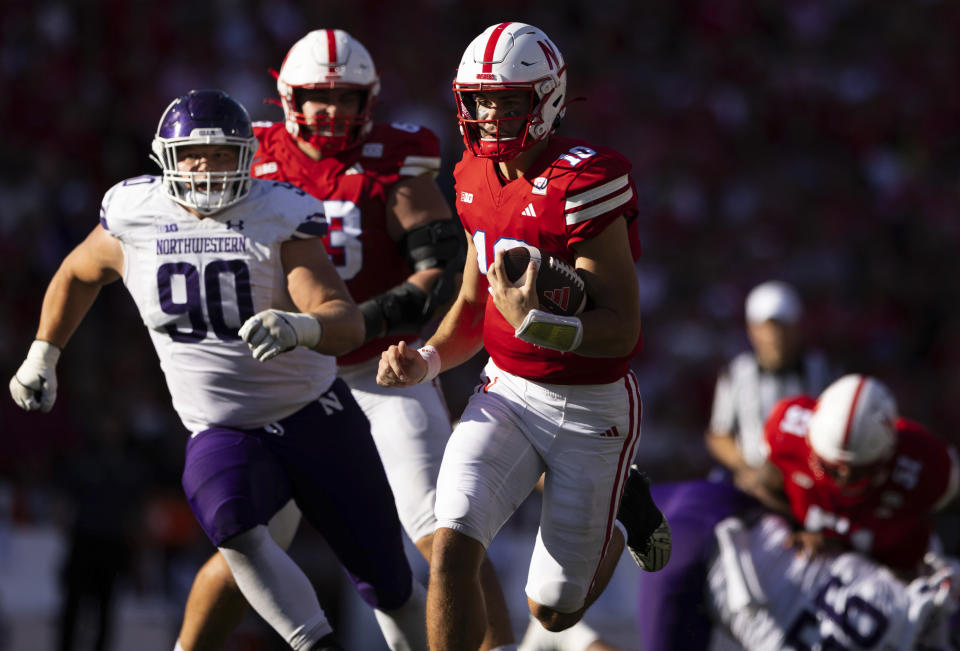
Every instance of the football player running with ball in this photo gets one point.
(213, 259)
(394, 242)
(568, 410)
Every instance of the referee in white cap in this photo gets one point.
(752, 382)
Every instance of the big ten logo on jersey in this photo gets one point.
(343, 237)
(577, 155)
(795, 420)
(466, 197)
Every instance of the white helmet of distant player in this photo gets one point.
(510, 56)
(853, 422)
(328, 58)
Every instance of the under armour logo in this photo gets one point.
(238, 227)
(529, 211)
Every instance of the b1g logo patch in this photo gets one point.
(466, 197)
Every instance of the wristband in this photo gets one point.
(432, 358)
(563, 333)
(306, 326)
(44, 352)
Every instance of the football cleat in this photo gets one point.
(649, 540)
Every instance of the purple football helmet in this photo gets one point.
(205, 117)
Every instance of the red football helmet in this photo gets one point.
(510, 56)
(328, 58)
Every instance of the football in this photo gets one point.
(559, 287)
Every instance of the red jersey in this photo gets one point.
(571, 193)
(354, 187)
(892, 522)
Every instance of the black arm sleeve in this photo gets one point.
(406, 308)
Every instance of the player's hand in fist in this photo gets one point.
(401, 365)
(34, 387)
(272, 332)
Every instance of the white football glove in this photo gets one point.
(272, 332)
(35, 384)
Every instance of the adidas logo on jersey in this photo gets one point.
(529, 211)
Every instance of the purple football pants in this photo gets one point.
(671, 606)
(324, 458)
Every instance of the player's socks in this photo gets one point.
(276, 588)
(405, 628)
(647, 531)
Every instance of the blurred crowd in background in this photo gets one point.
(811, 141)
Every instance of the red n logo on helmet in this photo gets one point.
(550, 53)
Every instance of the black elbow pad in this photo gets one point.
(400, 310)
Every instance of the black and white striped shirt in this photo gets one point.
(745, 394)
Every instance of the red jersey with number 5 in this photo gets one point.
(571, 193)
(891, 522)
(354, 187)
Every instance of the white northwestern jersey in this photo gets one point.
(196, 280)
(772, 598)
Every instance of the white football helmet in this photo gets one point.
(853, 422)
(328, 58)
(510, 56)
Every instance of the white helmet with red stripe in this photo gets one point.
(513, 56)
(853, 422)
(328, 58)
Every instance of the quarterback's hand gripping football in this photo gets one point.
(513, 300)
(35, 384)
(272, 332)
